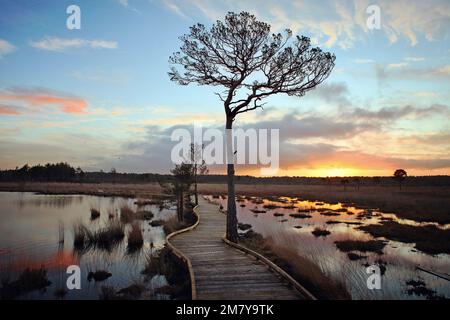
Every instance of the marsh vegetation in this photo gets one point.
(341, 240)
(111, 239)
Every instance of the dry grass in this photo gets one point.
(419, 203)
(428, 239)
(302, 269)
(129, 190)
(103, 238)
(172, 224)
(176, 273)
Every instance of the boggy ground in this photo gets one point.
(419, 203)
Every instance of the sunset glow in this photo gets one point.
(100, 98)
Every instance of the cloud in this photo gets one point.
(364, 61)
(100, 75)
(415, 59)
(63, 44)
(409, 19)
(36, 99)
(397, 65)
(391, 114)
(123, 2)
(297, 152)
(334, 22)
(6, 110)
(174, 8)
(333, 92)
(406, 72)
(293, 126)
(339, 158)
(6, 48)
(425, 94)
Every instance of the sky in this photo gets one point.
(100, 97)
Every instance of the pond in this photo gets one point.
(290, 222)
(37, 231)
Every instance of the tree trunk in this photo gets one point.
(195, 185)
(232, 234)
(181, 207)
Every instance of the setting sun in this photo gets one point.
(336, 172)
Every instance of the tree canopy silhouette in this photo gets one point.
(249, 63)
(400, 175)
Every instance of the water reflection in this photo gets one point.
(290, 222)
(31, 237)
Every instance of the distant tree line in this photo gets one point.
(63, 172)
(50, 172)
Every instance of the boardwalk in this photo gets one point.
(222, 272)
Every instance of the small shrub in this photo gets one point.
(135, 238)
(318, 232)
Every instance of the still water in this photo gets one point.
(271, 218)
(30, 238)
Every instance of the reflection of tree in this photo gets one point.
(50, 201)
(199, 165)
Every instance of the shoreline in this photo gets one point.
(418, 203)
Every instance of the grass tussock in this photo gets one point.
(132, 292)
(318, 232)
(362, 246)
(354, 256)
(103, 238)
(306, 272)
(277, 214)
(146, 202)
(329, 214)
(419, 288)
(81, 234)
(157, 223)
(244, 226)
(99, 275)
(111, 213)
(175, 271)
(127, 214)
(144, 215)
(429, 239)
(95, 213)
(173, 224)
(29, 280)
(300, 215)
(109, 235)
(135, 237)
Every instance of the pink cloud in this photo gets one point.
(8, 111)
(44, 98)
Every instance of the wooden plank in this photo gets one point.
(223, 272)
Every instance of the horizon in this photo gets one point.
(237, 175)
(100, 97)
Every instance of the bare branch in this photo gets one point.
(242, 48)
